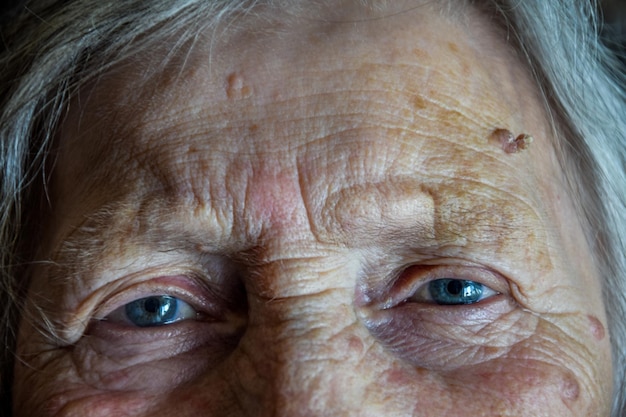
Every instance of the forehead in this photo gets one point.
(347, 113)
(418, 69)
(322, 106)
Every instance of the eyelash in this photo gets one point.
(467, 292)
(416, 284)
(196, 300)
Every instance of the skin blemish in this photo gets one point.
(236, 87)
(596, 327)
(570, 389)
(509, 142)
(355, 344)
(397, 377)
(419, 103)
(454, 48)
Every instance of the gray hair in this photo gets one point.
(53, 47)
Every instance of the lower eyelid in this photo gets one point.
(398, 317)
(444, 339)
(221, 327)
(123, 342)
(422, 333)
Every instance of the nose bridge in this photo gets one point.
(304, 354)
(304, 343)
(303, 340)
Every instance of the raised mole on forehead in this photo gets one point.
(596, 327)
(509, 142)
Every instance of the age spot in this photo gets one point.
(236, 88)
(509, 142)
(596, 327)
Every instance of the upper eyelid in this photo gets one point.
(73, 320)
(87, 285)
(191, 288)
(137, 291)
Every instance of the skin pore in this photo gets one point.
(298, 188)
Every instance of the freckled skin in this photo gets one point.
(284, 191)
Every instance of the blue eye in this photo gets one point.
(156, 310)
(448, 291)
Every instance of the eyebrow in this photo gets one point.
(439, 217)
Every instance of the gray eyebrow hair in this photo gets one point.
(102, 230)
(53, 47)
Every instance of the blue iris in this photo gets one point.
(153, 311)
(448, 291)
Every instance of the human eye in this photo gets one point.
(152, 311)
(453, 291)
(152, 303)
(445, 286)
(154, 306)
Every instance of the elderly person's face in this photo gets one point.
(319, 219)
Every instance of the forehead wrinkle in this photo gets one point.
(488, 221)
(375, 212)
(344, 87)
(353, 104)
(381, 106)
(177, 165)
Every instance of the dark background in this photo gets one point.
(614, 30)
(615, 13)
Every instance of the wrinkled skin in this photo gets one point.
(298, 188)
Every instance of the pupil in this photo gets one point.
(455, 287)
(152, 305)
